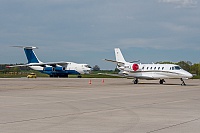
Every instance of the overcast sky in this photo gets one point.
(87, 31)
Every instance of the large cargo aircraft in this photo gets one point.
(149, 71)
(53, 69)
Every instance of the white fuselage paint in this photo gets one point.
(149, 71)
(80, 68)
(154, 71)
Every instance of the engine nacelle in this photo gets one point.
(135, 67)
(59, 68)
(121, 67)
(49, 69)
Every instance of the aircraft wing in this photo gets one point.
(42, 64)
(16, 66)
(115, 75)
(48, 63)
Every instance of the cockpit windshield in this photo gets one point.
(177, 68)
(88, 66)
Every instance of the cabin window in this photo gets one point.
(162, 68)
(154, 68)
(158, 68)
(151, 68)
(143, 68)
(172, 68)
(147, 68)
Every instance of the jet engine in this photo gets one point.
(57, 68)
(135, 67)
(49, 69)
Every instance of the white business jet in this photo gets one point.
(149, 71)
(53, 69)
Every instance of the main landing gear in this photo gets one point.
(162, 81)
(135, 81)
(183, 83)
(79, 76)
(59, 76)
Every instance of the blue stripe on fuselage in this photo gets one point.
(60, 72)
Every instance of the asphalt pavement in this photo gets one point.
(64, 105)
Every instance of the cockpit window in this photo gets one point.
(177, 67)
(88, 66)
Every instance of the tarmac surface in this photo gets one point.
(59, 105)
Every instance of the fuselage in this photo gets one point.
(153, 71)
(69, 68)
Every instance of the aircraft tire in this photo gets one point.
(135, 81)
(162, 81)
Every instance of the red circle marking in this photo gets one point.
(135, 67)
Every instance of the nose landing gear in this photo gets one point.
(183, 83)
(135, 81)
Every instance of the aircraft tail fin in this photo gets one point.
(30, 54)
(118, 55)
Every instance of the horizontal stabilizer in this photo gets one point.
(134, 61)
(26, 47)
(114, 61)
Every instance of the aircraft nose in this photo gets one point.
(188, 75)
(87, 71)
